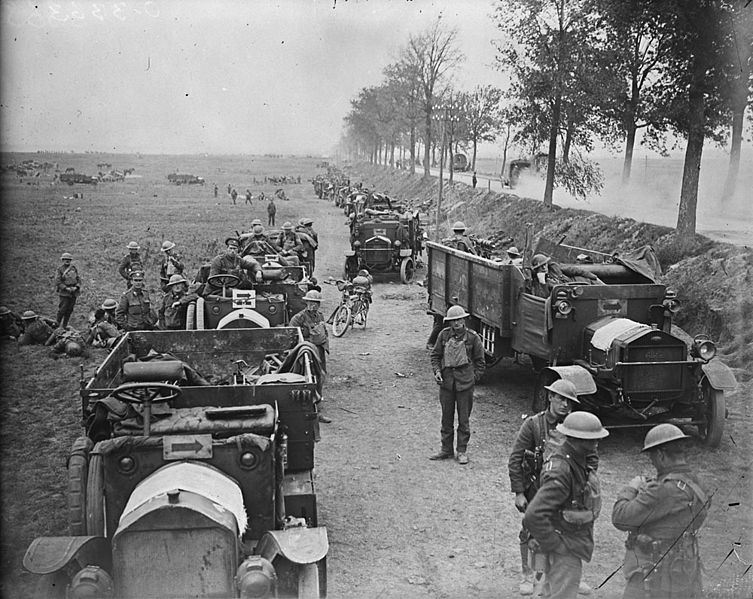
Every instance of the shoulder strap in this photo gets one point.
(689, 482)
(538, 425)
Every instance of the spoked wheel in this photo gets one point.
(360, 313)
(308, 582)
(342, 321)
(406, 270)
(712, 415)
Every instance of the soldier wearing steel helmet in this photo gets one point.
(538, 439)
(104, 330)
(289, 244)
(458, 362)
(11, 325)
(459, 240)
(68, 288)
(36, 329)
(173, 312)
(131, 262)
(171, 264)
(314, 330)
(662, 516)
(561, 515)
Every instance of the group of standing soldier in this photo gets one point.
(553, 475)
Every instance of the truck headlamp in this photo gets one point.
(248, 460)
(564, 307)
(356, 244)
(126, 464)
(397, 243)
(703, 348)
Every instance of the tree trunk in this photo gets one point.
(568, 142)
(451, 159)
(629, 145)
(427, 145)
(413, 150)
(686, 216)
(730, 183)
(552, 157)
(504, 153)
(473, 162)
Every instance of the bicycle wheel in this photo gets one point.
(341, 321)
(360, 310)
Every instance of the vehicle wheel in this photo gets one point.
(540, 401)
(308, 582)
(406, 270)
(51, 586)
(191, 316)
(713, 412)
(341, 321)
(95, 497)
(200, 314)
(78, 465)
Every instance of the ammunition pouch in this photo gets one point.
(675, 569)
(577, 517)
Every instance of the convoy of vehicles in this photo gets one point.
(193, 489)
(615, 341)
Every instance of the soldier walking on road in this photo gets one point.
(458, 363)
(662, 516)
(68, 288)
(536, 441)
(561, 515)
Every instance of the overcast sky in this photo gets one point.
(215, 76)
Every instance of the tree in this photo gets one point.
(431, 55)
(482, 117)
(549, 52)
(737, 90)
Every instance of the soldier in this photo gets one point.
(11, 324)
(311, 322)
(37, 329)
(459, 240)
(249, 197)
(135, 311)
(514, 256)
(534, 444)
(68, 341)
(171, 264)
(215, 190)
(457, 359)
(230, 263)
(257, 243)
(662, 516)
(131, 262)
(289, 243)
(104, 331)
(271, 211)
(68, 287)
(172, 314)
(539, 283)
(308, 240)
(561, 515)
(233, 196)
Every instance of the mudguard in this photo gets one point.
(719, 375)
(46, 555)
(299, 545)
(244, 314)
(350, 253)
(578, 376)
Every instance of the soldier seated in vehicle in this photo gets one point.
(247, 269)
(459, 240)
(545, 275)
(289, 244)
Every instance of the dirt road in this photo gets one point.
(403, 526)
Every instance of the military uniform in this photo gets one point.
(314, 330)
(231, 264)
(462, 243)
(172, 314)
(662, 518)
(461, 362)
(36, 332)
(560, 518)
(134, 311)
(171, 265)
(68, 287)
(129, 264)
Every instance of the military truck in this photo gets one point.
(185, 179)
(384, 242)
(195, 475)
(614, 340)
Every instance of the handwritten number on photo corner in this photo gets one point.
(117, 10)
(150, 8)
(97, 11)
(56, 14)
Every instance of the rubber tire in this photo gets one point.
(78, 466)
(308, 581)
(341, 321)
(191, 316)
(200, 314)
(95, 495)
(51, 586)
(714, 410)
(406, 270)
(361, 314)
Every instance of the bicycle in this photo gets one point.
(353, 309)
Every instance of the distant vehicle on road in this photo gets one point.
(185, 179)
